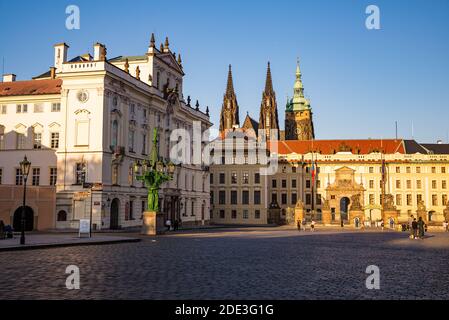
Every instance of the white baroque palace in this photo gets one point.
(82, 125)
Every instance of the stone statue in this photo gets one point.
(421, 206)
(326, 206)
(389, 202)
(138, 73)
(152, 177)
(355, 200)
(126, 66)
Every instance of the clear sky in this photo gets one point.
(359, 81)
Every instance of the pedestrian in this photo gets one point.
(168, 224)
(304, 224)
(421, 227)
(410, 221)
(414, 229)
(176, 225)
(446, 226)
(382, 225)
(2, 230)
(312, 226)
(341, 223)
(298, 224)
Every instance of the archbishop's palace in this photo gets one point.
(85, 122)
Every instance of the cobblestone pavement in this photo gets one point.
(266, 263)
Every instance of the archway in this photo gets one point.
(430, 214)
(114, 216)
(29, 219)
(344, 208)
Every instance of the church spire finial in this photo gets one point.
(152, 41)
(298, 88)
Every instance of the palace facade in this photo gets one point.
(357, 182)
(82, 125)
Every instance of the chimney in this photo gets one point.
(10, 77)
(61, 50)
(99, 52)
(52, 72)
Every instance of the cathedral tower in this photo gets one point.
(229, 116)
(298, 113)
(268, 118)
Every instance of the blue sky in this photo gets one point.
(359, 81)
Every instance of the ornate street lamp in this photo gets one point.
(25, 166)
(153, 173)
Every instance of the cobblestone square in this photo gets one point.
(247, 263)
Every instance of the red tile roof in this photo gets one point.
(333, 146)
(30, 87)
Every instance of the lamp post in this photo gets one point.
(25, 166)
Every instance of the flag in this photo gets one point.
(313, 172)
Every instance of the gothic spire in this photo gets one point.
(268, 81)
(230, 85)
(298, 88)
(152, 41)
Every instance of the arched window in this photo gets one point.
(158, 76)
(114, 137)
(62, 216)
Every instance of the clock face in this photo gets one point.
(83, 96)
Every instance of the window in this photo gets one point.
(371, 169)
(53, 176)
(371, 199)
(418, 184)
(293, 169)
(233, 197)
(131, 175)
(222, 197)
(2, 140)
(234, 214)
(80, 173)
(131, 140)
(408, 170)
(418, 169)
(434, 184)
(257, 178)
(409, 184)
(434, 200)
(222, 214)
(19, 177)
(212, 197)
(443, 169)
(409, 199)
(398, 169)
(21, 108)
(62, 216)
(222, 178)
(143, 208)
(20, 141)
(274, 198)
(274, 183)
(245, 197)
(37, 140)
(294, 198)
(418, 198)
(257, 214)
(144, 143)
(318, 199)
(38, 108)
(444, 199)
(36, 176)
(433, 170)
(398, 184)
(308, 184)
(131, 210)
(55, 107)
(193, 209)
(3, 109)
(318, 184)
(54, 141)
(284, 198)
(399, 200)
(308, 198)
(293, 183)
(245, 214)
(245, 177)
(257, 197)
(211, 178)
(443, 184)
(234, 177)
(284, 183)
(114, 132)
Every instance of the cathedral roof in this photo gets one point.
(30, 87)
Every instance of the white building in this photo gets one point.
(88, 120)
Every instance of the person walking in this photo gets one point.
(176, 225)
(304, 224)
(421, 226)
(298, 224)
(382, 225)
(168, 224)
(312, 226)
(446, 226)
(415, 228)
(410, 222)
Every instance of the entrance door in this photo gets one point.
(344, 206)
(29, 219)
(115, 210)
